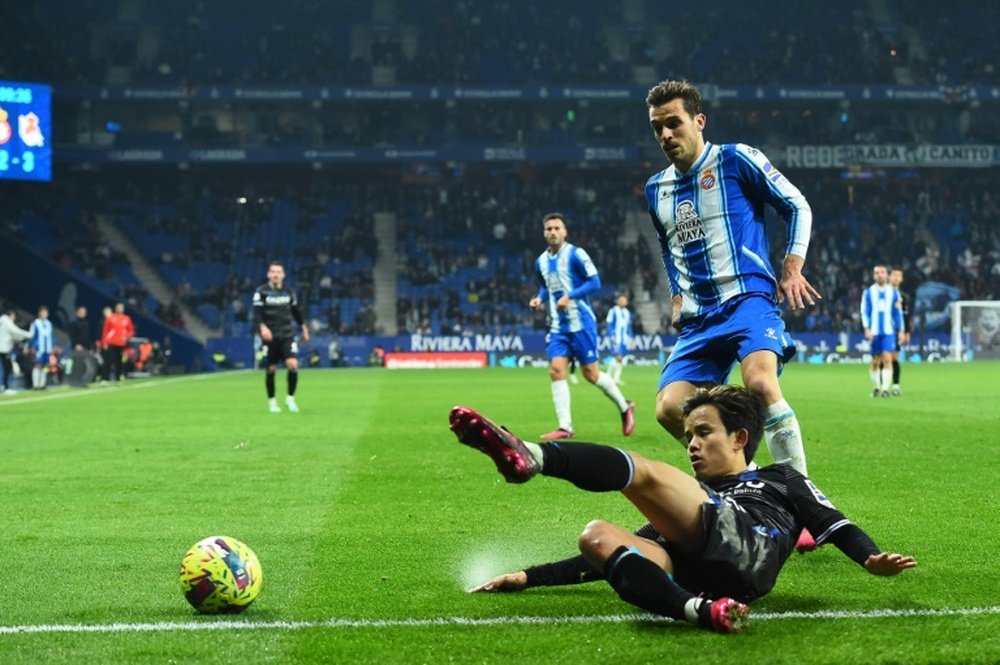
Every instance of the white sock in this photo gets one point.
(34, 377)
(560, 399)
(783, 437)
(535, 450)
(876, 379)
(691, 608)
(43, 376)
(615, 370)
(610, 388)
(886, 377)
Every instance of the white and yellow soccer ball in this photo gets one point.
(220, 575)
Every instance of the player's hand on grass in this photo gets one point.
(888, 564)
(504, 583)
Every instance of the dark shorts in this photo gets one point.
(740, 559)
(279, 349)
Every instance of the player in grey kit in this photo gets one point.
(274, 308)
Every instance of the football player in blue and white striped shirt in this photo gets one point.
(567, 277)
(42, 342)
(707, 208)
(882, 318)
(620, 331)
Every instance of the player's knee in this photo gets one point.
(764, 386)
(597, 542)
(671, 417)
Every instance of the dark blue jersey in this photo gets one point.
(781, 502)
(276, 308)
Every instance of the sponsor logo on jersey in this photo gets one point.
(689, 226)
(773, 174)
(818, 494)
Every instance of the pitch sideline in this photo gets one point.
(166, 626)
(130, 384)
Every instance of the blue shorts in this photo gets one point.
(883, 344)
(620, 349)
(709, 345)
(581, 345)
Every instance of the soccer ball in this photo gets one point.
(220, 575)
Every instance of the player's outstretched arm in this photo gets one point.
(793, 287)
(888, 564)
(504, 583)
(574, 570)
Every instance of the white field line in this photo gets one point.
(130, 384)
(165, 626)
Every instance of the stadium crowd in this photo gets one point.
(467, 236)
(466, 244)
(439, 42)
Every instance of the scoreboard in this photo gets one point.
(25, 131)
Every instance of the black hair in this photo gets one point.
(738, 409)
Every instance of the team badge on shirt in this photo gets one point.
(707, 180)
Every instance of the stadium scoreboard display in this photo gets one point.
(25, 131)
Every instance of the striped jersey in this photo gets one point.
(559, 274)
(619, 324)
(41, 336)
(880, 310)
(710, 224)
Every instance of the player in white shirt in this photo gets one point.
(9, 333)
(42, 342)
(882, 318)
(567, 277)
(620, 331)
(707, 207)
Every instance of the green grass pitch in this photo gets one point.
(370, 520)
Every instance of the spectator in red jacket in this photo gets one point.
(118, 330)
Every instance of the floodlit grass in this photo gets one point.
(364, 510)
